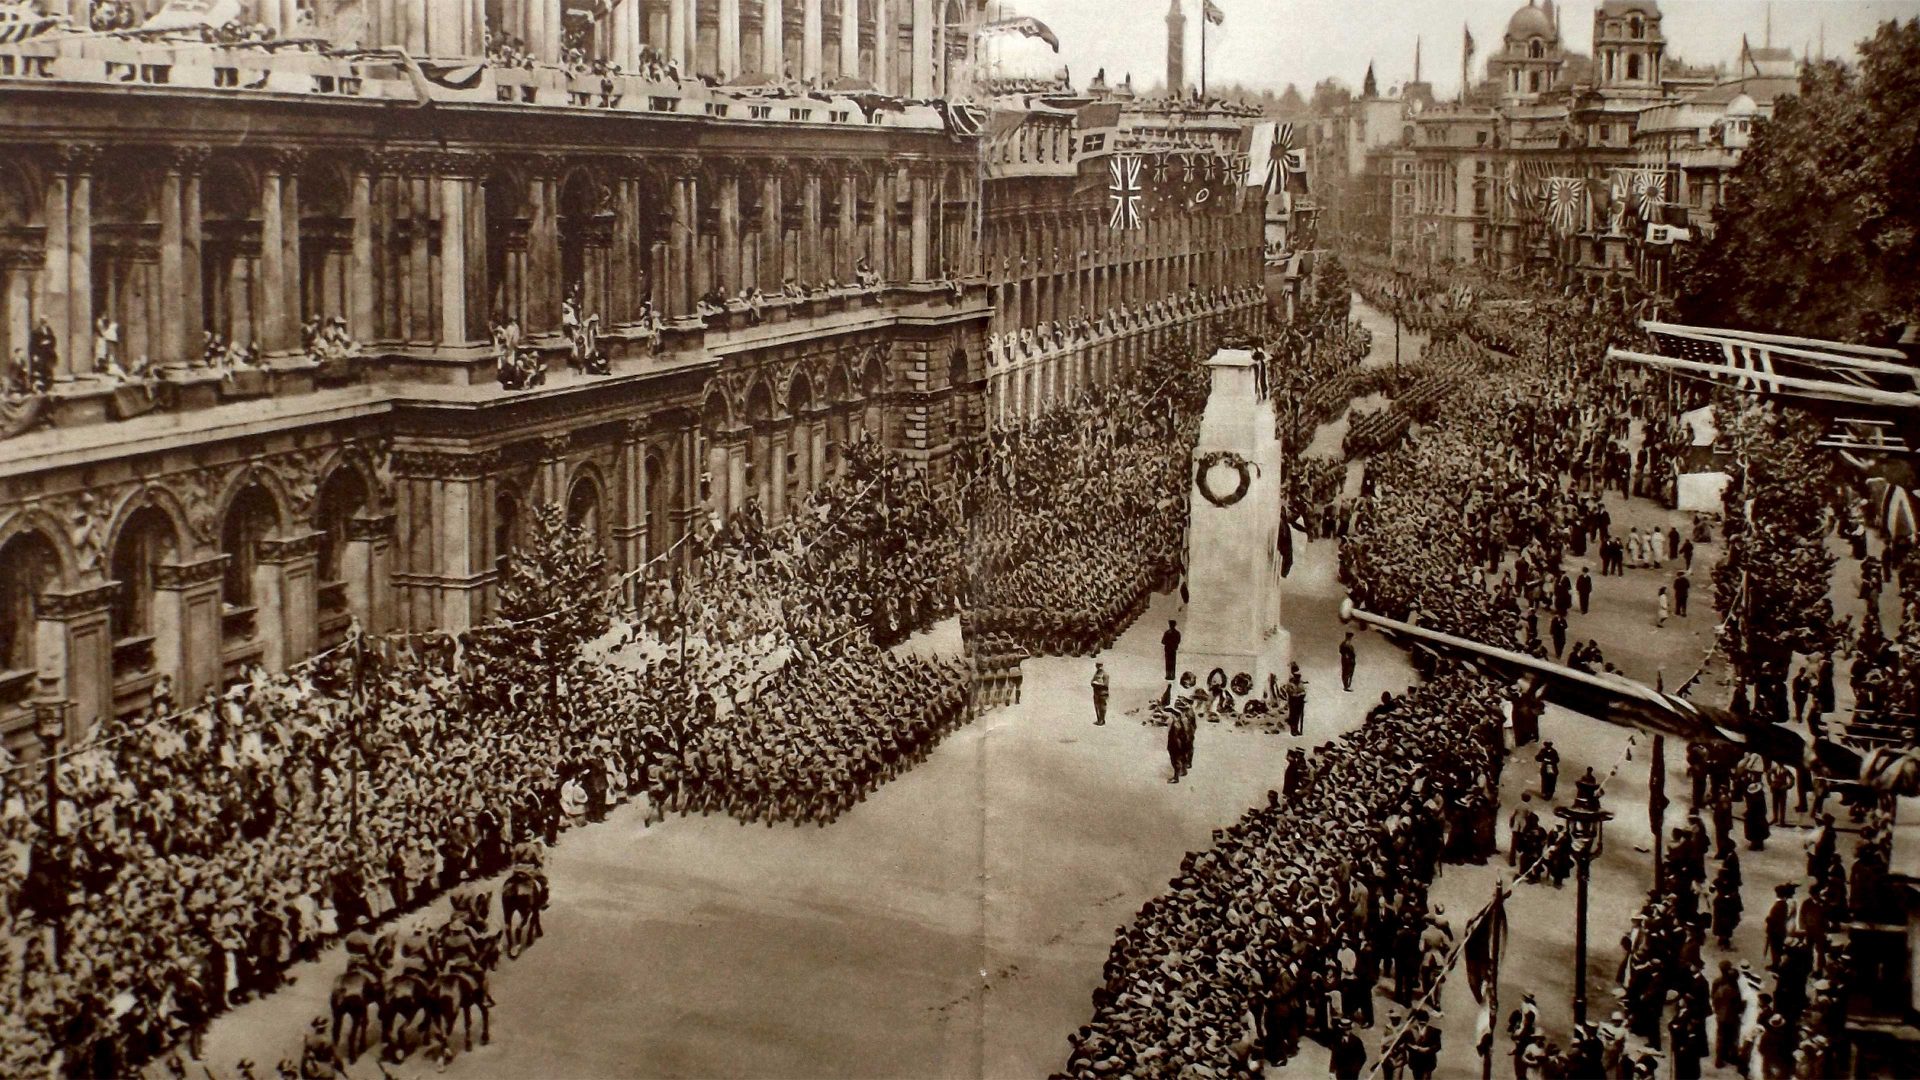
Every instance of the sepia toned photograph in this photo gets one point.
(974, 539)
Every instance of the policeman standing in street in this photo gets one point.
(1099, 693)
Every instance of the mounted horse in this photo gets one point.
(359, 988)
(522, 898)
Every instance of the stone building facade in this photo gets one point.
(768, 276)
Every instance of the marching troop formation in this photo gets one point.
(248, 831)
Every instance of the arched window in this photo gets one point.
(1633, 66)
(1533, 81)
(341, 497)
(28, 565)
(1536, 50)
(146, 541)
(1636, 28)
(583, 506)
(250, 520)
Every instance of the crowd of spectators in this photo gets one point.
(1282, 928)
(247, 830)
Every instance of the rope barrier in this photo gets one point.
(1429, 999)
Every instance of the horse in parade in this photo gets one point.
(421, 984)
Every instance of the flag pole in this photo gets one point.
(1493, 987)
(1203, 50)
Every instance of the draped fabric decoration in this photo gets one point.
(1649, 193)
(1566, 202)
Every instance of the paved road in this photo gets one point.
(953, 925)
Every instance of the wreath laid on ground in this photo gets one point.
(1224, 457)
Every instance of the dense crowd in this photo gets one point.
(1282, 928)
(243, 833)
(1080, 513)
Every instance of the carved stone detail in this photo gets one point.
(290, 548)
(77, 602)
(370, 527)
(187, 575)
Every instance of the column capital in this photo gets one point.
(283, 159)
(444, 465)
(74, 603)
(681, 166)
(546, 166)
(555, 446)
(78, 157)
(363, 527)
(185, 575)
(190, 158)
(288, 549)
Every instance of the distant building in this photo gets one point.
(1634, 137)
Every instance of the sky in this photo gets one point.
(1270, 43)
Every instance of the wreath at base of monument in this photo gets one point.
(1224, 457)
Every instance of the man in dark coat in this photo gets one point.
(1549, 760)
(1682, 585)
(1349, 1058)
(1170, 645)
(1423, 1046)
(1347, 660)
(1728, 1006)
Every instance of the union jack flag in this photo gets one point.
(1123, 191)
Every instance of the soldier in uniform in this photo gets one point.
(318, 1059)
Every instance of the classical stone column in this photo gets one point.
(810, 39)
(733, 279)
(677, 21)
(284, 587)
(883, 261)
(886, 34)
(773, 38)
(680, 291)
(772, 262)
(729, 39)
(444, 519)
(629, 510)
(186, 623)
(922, 86)
(454, 209)
(76, 624)
(850, 38)
(846, 251)
(364, 563)
(171, 345)
(543, 247)
(360, 283)
(555, 34)
(921, 226)
(815, 263)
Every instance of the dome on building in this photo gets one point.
(1742, 105)
(1530, 22)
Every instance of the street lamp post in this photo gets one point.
(50, 724)
(1584, 820)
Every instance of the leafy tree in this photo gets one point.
(556, 583)
(1776, 550)
(1820, 233)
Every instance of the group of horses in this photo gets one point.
(424, 985)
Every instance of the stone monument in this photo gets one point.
(1232, 623)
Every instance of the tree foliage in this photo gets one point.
(1820, 233)
(1781, 557)
(556, 582)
